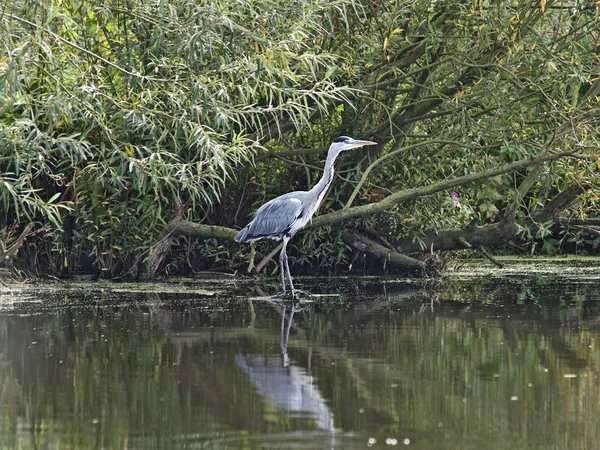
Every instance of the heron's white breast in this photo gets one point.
(299, 224)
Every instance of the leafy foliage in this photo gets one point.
(115, 116)
(118, 115)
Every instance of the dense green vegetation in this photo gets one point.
(122, 121)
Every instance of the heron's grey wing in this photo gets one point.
(273, 219)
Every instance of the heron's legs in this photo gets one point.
(283, 258)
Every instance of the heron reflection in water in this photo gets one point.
(285, 384)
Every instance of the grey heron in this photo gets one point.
(282, 217)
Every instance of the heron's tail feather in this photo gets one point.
(242, 235)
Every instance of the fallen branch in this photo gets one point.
(267, 258)
(366, 245)
(586, 229)
(483, 251)
(463, 241)
(514, 205)
(500, 233)
(489, 236)
(489, 256)
(561, 201)
(516, 246)
(189, 228)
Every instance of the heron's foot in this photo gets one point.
(291, 294)
(298, 292)
(282, 294)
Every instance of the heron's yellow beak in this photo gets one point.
(358, 143)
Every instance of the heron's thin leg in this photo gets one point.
(283, 262)
(287, 265)
(282, 327)
(282, 258)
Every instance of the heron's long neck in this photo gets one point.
(320, 189)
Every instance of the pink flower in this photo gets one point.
(454, 195)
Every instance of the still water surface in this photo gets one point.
(480, 360)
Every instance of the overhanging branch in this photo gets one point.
(411, 194)
(189, 228)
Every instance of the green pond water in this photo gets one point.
(485, 358)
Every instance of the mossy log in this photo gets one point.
(490, 236)
(188, 228)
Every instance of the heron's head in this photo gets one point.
(346, 143)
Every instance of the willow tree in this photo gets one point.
(115, 114)
(126, 122)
